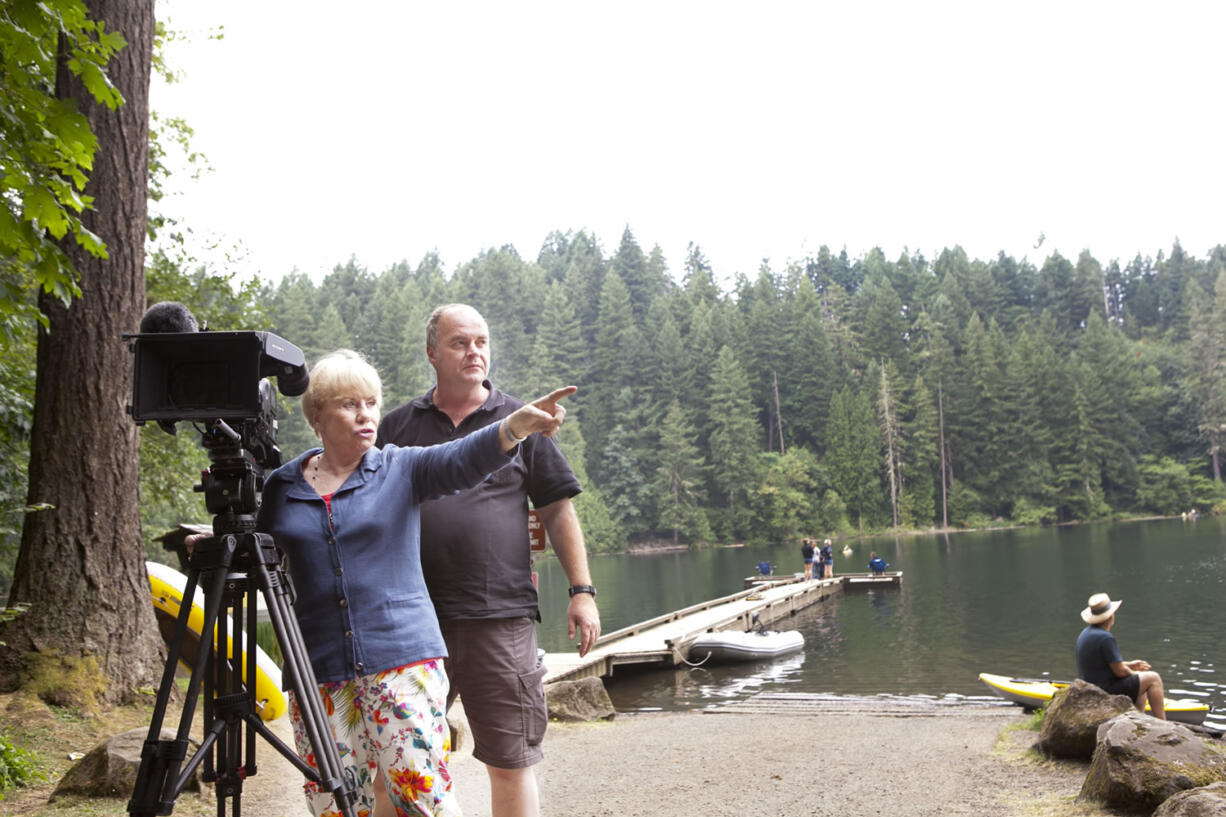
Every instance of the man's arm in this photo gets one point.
(562, 524)
(1123, 669)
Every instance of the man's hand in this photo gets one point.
(1138, 665)
(583, 620)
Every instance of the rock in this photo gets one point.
(582, 700)
(1206, 801)
(1070, 724)
(459, 731)
(1141, 761)
(110, 768)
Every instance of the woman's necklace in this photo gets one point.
(315, 467)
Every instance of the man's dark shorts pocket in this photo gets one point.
(534, 708)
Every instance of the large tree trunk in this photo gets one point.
(81, 565)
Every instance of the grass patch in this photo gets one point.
(1016, 742)
(48, 736)
(1053, 805)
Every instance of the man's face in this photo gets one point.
(462, 357)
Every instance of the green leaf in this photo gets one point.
(92, 242)
(41, 207)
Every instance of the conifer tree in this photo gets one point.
(921, 458)
(882, 326)
(808, 384)
(679, 480)
(617, 353)
(851, 455)
(733, 443)
(578, 259)
(558, 350)
(1206, 354)
(628, 495)
(889, 424)
(631, 266)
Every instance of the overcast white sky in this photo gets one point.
(385, 130)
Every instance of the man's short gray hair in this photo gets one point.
(435, 317)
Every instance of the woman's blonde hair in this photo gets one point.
(337, 374)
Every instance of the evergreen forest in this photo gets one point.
(832, 396)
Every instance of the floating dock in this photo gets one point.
(665, 640)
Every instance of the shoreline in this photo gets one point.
(648, 550)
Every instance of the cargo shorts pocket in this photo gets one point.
(532, 696)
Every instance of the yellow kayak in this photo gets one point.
(167, 585)
(1035, 693)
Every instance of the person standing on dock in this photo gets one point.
(1100, 663)
(806, 553)
(477, 562)
(827, 559)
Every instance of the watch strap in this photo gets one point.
(582, 588)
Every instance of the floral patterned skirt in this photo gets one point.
(392, 721)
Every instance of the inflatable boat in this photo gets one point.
(755, 645)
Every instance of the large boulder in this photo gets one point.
(1207, 801)
(110, 768)
(1141, 761)
(583, 700)
(1070, 724)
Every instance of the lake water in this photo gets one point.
(1006, 602)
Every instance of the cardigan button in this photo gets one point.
(344, 603)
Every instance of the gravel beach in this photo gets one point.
(810, 761)
(781, 764)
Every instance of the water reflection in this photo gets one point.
(707, 685)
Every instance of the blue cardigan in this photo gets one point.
(362, 603)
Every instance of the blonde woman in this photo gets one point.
(347, 515)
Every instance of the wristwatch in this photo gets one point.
(582, 588)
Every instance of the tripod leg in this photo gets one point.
(160, 759)
(161, 778)
(306, 692)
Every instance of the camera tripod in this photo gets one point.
(233, 566)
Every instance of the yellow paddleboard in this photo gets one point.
(1035, 693)
(167, 585)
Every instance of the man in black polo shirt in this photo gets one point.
(476, 559)
(1099, 660)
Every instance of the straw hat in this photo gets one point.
(1101, 608)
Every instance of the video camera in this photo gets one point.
(219, 380)
(216, 376)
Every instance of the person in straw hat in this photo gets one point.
(1099, 661)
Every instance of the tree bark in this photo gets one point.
(81, 565)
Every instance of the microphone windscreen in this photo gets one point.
(167, 316)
